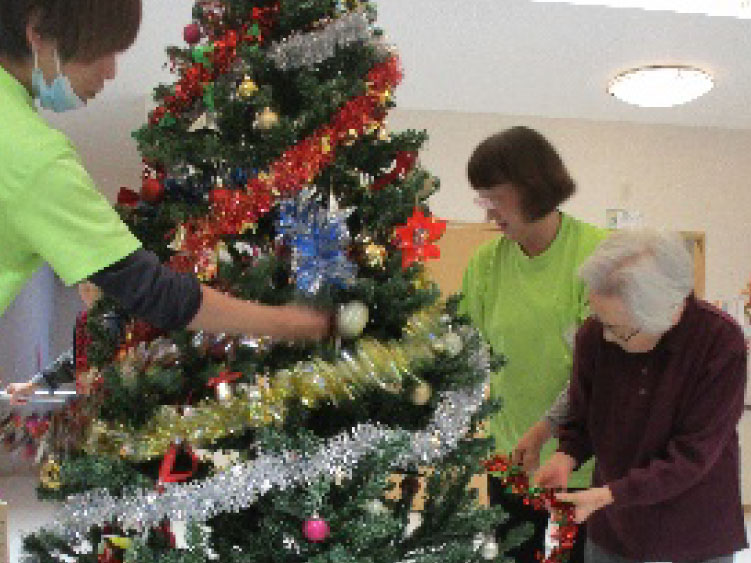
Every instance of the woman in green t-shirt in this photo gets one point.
(522, 293)
(61, 53)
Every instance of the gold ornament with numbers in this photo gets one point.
(267, 119)
(247, 88)
(49, 474)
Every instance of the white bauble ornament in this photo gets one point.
(414, 521)
(376, 507)
(223, 392)
(453, 344)
(351, 319)
(489, 550)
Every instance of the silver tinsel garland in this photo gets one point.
(308, 49)
(240, 486)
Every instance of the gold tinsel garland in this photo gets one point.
(372, 363)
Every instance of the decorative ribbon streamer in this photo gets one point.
(370, 363)
(405, 161)
(242, 485)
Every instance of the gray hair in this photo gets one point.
(650, 271)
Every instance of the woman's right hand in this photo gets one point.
(19, 392)
(527, 451)
(554, 474)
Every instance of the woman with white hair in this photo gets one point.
(656, 394)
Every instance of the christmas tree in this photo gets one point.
(270, 172)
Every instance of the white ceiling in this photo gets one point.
(555, 60)
(518, 57)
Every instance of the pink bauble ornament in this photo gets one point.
(316, 529)
(192, 34)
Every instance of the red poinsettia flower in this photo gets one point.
(416, 238)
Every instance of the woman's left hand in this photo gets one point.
(586, 502)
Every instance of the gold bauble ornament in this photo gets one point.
(428, 187)
(325, 144)
(49, 474)
(375, 255)
(267, 119)
(247, 88)
(421, 394)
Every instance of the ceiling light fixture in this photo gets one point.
(729, 8)
(660, 86)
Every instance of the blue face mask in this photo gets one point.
(59, 96)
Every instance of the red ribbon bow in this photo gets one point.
(128, 197)
(224, 377)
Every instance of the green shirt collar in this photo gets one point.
(544, 257)
(9, 86)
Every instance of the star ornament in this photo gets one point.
(416, 238)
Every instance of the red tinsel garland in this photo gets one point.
(514, 477)
(193, 79)
(234, 211)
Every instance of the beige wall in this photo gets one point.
(691, 179)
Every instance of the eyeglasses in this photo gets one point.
(617, 332)
(485, 203)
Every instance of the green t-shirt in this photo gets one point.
(528, 308)
(50, 210)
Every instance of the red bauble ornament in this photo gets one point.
(192, 33)
(152, 190)
(316, 529)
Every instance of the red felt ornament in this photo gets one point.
(167, 473)
(165, 530)
(192, 33)
(152, 190)
(416, 238)
(405, 161)
(108, 555)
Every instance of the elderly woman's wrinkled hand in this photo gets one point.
(587, 502)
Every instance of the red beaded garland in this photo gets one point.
(540, 499)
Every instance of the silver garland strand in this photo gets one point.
(242, 485)
(308, 49)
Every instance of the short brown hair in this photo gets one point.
(84, 29)
(522, 157)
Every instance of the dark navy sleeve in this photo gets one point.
(149, 290)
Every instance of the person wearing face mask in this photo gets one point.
(60, 53)
(521, 291)
(656, 396)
